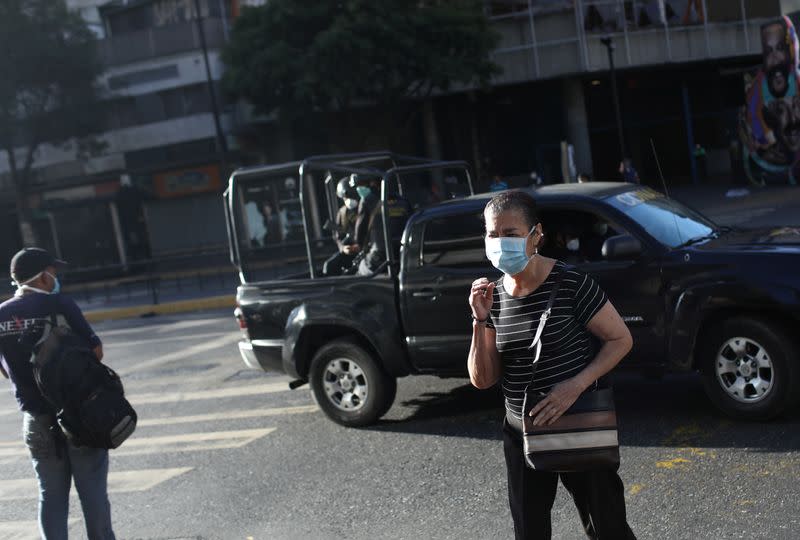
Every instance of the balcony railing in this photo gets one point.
(158, 42)
(548, 38)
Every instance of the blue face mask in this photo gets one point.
(57, 286)
(363, 191)
(508, 254)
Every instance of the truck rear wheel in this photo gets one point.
(349, 385)
(749, 368)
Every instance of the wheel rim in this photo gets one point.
(345, 384)
(744, 370)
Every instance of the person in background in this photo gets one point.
(255, 224)
(567, 246)
(369, 224)
(56, 461)
(628, 172)
(498, 184)
(345, 230)
(701, 161)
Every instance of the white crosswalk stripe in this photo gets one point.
(226, 415)
(195, 351)
(25, 530)
(118, 482)
(188, 442)
(192, 404)
(217, 393)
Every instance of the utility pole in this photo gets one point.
(222, 146)
(609, 43)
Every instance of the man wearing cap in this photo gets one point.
(55, 461)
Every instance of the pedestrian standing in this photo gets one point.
(56, 462)
(506, 314)
(498, 184)
(701, 159)
(628, 172)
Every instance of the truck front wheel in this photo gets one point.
(749, 368)
(349, 385)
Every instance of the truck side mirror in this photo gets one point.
(623, 246)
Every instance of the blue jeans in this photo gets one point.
(56, 464)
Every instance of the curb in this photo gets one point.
(182, 306)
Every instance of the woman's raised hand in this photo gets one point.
(481, 298)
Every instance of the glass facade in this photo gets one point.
(543, 39)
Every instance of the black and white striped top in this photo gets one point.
(566, 343)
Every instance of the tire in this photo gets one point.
(349, 385)
(749, 368)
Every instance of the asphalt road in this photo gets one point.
(222, 452)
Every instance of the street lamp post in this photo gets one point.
(222, 146)
(609, 43)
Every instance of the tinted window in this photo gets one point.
(589, 229)
(454, 241)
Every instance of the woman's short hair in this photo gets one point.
(518, 200)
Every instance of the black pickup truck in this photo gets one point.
(722, 302)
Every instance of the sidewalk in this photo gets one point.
(173, 293)
(166, 293)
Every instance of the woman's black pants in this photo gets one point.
(598, 495)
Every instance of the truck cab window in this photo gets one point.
(454, 242)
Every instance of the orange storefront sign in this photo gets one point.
(184, 182)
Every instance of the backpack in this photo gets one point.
(86, 396)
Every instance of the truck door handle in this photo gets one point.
(426, 293)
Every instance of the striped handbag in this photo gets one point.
(584, 438)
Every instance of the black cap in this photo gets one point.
(344, 190)
(29, 262)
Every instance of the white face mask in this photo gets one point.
(351, 204)
(509, 254)
(574, 244)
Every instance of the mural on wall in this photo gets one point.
(770, 120)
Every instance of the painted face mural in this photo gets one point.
(770, 120)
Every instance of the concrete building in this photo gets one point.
(682, 66)
(681, 71)
(159, 173)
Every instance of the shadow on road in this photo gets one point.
(464, 411)
(675, 412)
(669, 412)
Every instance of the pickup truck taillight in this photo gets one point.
(239, 314)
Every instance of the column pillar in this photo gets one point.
(577, 123)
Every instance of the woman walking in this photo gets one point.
(506, 316)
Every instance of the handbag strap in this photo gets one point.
(537, 340)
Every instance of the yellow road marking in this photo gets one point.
(672, 463)
(201, 304)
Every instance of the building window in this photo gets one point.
(614, 16)
(159, 106)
